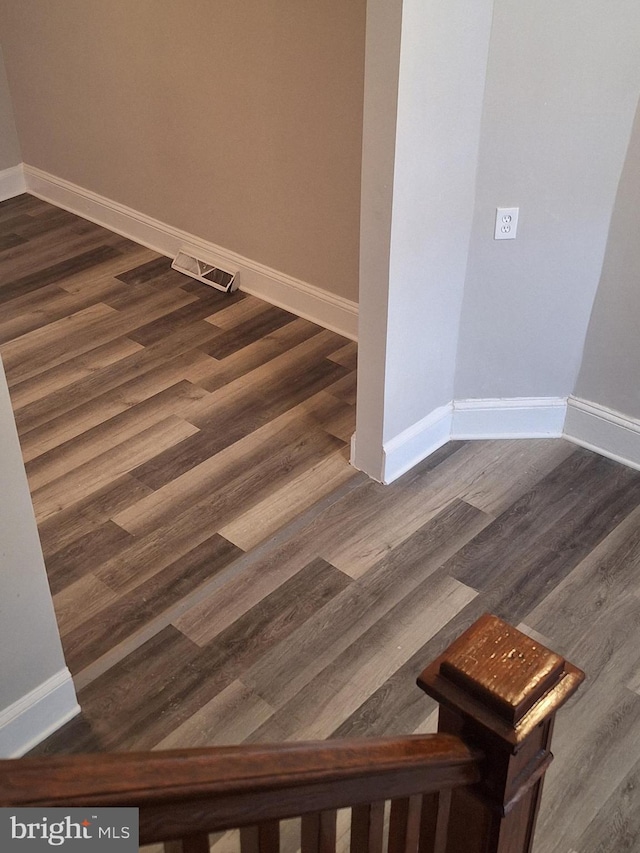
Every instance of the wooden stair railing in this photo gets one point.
(474, 787)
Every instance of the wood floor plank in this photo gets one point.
(48, 219)
(616, 825)
(67, 427)
(56, 272)
(90, 283)
(396, 706)
(285, 671)
(14, 351)
(12, 219)
(53, 306)
(123, 297)
(50, 382)
(591, 617)
(599, 737)
(156, 272)
(528, 520)
(381, 518)
(128, 381)
(237, 477)
(335, 416)
(23, 203)
(223, 721)
(114, 416)
(80, 601)
(235, 415)
(92, 279)
(595, 589)
(278, 565)
(258, 353)
(227, 604)
(248, 332)
(184, 339)
(22, 207)
(200, 518)
(91, 545)
(63, 340)
(531, 461)
(112, 703)
(345, 388)
(49, 256)
(155, 331)
(88, 514)
(240, 311)
(283, 373)
(122, 615)
(8, 241)
(203, 672)
(347, 355)
(151, 554)
(237, 569)
(50, 454)
(42, 221)
(104, 469)
(365, 664)
(281, 506)
(563, 538)
(276, 617)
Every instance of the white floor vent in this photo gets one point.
(206, 272)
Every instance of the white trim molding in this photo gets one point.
(306, 300)
(12, 182)
(31, 719)
(511, 417)
(417, 442)
(604, 430)
(506, 418)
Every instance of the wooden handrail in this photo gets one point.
(473, 788)
(229, 787)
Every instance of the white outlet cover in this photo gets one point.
(506, 223)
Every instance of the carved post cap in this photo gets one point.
(506, 681)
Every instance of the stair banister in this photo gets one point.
(499, 690)
(474, 787)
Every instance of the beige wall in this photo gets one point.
(610, 369)
(9, 147)
(239, 121)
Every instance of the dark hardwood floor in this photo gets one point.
(220, 573)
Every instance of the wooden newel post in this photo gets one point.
(499, 690)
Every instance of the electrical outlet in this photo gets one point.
(506, 223)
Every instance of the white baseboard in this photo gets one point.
(12, 182)
(417, 442)
(515, 417)
(588, 424)
(518, 417)
(328, 310)
(41, 712)
(604, 430)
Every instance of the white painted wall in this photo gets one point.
(382, 66)
(9, 147)
(562, 87)
(610, 370)
(442, 76)
(413, 261)
(36, 691)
